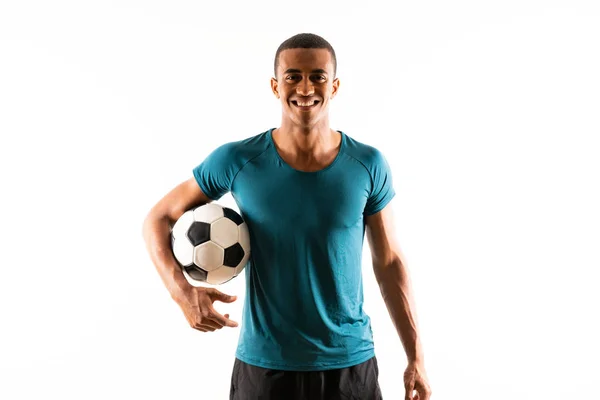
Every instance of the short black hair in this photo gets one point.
(305, 41)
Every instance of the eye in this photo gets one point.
(290, 77)
(320, 77)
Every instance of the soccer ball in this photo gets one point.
(211, 244)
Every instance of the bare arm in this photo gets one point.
(195, 302)
(394, 283)
(393, 279)
(157, 230)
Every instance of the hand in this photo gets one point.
(416, 380)
(197, 306)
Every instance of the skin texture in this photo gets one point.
(304, 139)
(306, 142)
(392, 276)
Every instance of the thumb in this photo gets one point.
(225, 298)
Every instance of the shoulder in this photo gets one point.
(216, 173)
(369, 156)
(242, 150)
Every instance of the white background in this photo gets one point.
(488, 113)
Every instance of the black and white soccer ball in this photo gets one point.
(211, 243)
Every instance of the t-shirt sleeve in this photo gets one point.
(382, 190)
(215, 174)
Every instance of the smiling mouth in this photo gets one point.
(305, 105)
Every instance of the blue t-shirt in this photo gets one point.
(304, 290)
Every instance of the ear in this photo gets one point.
(336, 86)
(274, 87)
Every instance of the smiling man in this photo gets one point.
(308, 194)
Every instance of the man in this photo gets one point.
(308, 194)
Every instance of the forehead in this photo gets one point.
(306, 59)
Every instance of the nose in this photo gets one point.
(305, 87)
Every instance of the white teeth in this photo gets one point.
(306, 104)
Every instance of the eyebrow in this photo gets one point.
(314, 71)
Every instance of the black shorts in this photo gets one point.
(359, 382)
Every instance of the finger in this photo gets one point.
(208, 328)
(197, 325)
(201, 324)
(225, 298)
(208, 324)
(220, 319)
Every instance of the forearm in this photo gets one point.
(395, 287)
(156, 232)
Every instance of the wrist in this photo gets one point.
(416, 356)
(416, 360)
(180, 288)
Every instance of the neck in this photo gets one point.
(305, 140)
(307, 149)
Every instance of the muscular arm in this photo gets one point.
(157, 228)
(393, 279)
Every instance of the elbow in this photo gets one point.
(391, 269)
(148, 224)
(146, 227)
(154, 221)
(390, 260)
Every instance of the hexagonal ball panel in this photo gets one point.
(220, 275)
(208, 213)
(198, 233)
(208, 256)
(224, 232)
(182, 224)
(233, 255)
